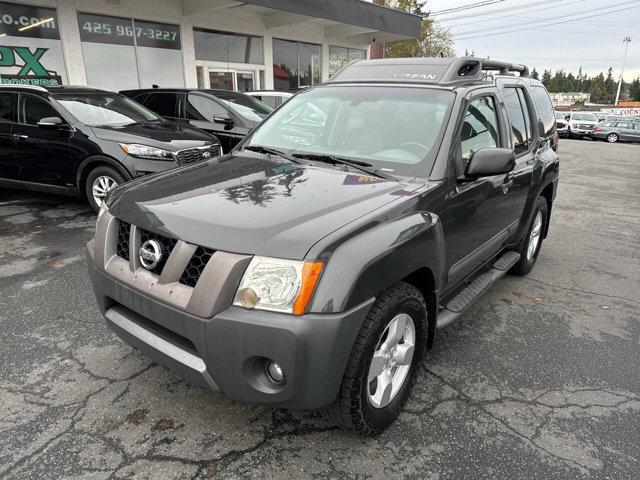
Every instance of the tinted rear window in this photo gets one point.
(545, 109)
(517, 113)
(164, 104)
(5, 107)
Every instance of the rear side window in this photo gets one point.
(544, 107)
(202, 108)
(5, 107)
(480, 128)
(164, 104)
(33, 109)
(518, 117)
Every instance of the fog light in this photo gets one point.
(275, 372)
(247, 297)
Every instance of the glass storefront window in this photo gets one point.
(340, 56)
(30, 47)
(227, 47)
(295, 64)
(121, 53)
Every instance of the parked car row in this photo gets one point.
(612, 128)
(85, 141)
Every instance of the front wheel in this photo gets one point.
(384, 360)
(529, 246)
(100, 181)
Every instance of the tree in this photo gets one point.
(534, 74)
(598, 89)
(434, 40)
(610, 86)
(546, 77)
(634, 90)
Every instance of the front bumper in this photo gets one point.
(227, 352)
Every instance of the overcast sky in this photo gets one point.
(595, 43)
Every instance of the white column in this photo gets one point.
(324, 61)
(268, 60)
(188, 52)
(71, 45)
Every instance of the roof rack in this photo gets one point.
(425, 70)
(20, 85)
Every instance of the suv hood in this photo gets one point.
(167, 135)
(252, 205)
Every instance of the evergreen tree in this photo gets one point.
(598, 89)
(634, 90)
(534, 74)
(611, 86)
(546, 78)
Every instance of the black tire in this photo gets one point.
(525, 264)
(101, 171)
(352, 409)
(613, 138)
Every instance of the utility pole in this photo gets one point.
(626, 41)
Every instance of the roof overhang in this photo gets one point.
(355, 21)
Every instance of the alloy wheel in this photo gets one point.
(534, 236)
(612, 138)
(101, 186)
(391, 361)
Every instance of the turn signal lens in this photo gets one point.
(310, 275)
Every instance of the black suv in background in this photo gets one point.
(230, 116)
(85, 141)
(311, 266)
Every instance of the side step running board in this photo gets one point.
(457, 305)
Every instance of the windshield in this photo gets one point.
(247, 107)
(589, 117)
(397, 129)
(111, 109)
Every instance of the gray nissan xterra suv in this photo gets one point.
(311, 266)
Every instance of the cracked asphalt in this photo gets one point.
(540, 380)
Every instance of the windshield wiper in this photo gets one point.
(362, 166)
(270, 151)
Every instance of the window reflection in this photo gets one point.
(295, 64)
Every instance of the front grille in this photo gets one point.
(560, 125)
(167, 248)
(193, 155)
(122, 247)
(196, 266)
(191, 273)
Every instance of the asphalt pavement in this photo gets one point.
(540, 380)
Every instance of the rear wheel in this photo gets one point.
(612, 138)
(100, 181)
(529, 246)
(383, 362)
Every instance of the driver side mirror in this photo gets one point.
(51, 123)
(490, 161)
(225, 120)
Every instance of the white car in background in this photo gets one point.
(581, 124)
(273, 98)
(562, 125)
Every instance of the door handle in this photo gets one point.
(20, 137)
(507, 184)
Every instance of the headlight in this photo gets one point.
(144, 151)
(278, 285)
(574, 125)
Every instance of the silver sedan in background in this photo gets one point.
(612, 132)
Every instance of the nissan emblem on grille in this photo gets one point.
(150, 254)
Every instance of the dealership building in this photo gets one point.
(234, 45)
